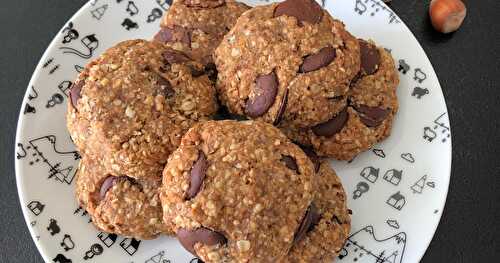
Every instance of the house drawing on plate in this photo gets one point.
(370, 173)
(397, 201)
(107, 239)
(130, 245)
(393, 176)
(364, 246)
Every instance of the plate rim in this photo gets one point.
(19, 132)
(37, 72)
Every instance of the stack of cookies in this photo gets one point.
(294, 87)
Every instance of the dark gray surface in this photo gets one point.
(467, 64)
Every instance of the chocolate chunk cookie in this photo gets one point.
(119, 204)
(237, 191)
(131, 106)
(196, 27)
(288, 63)
(330, 222)
(367, 119)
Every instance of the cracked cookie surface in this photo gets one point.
(330, 229)
(130, 107)
(120, 204)
(237, 191)
(367, 119)
(288, 63)
(196, 27)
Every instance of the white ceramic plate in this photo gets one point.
(397, 190)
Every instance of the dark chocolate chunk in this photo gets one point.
(290, 163)
(372, 116)
(304, 10)
(188, 238)
(332, 126)
(316, 61)
(75, 92)
(370, 57)
(197, 175)
(266, 88)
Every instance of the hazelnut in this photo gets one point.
(447, 15)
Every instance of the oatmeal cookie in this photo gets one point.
(120, 204)
(196, 27)
(288, 63)
(330, 221)
(368, 117)
(131, 106)
(237, 192)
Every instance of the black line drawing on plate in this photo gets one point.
(67, 243)
(419, 92)
(130, 245)
(129, 24)
(419, 75)
(361, 188)
(99, 12)
(429, 134)
(93, 2)
(95, 250)
(364, 243)
(393, 176)
(158, 258)
(393, 223)
(37, 238)
(54, 69)
(83, 213)
(33, 223)
(418, 186)
(359, 7)
(132, 8)
(379, 152)
(21, 153)
(436, 211)
(79, 68)
(107, 239)
(408, 157)
(31, 96)
(195, 260)
(323, 3)
(48, 62)
(370, 173)
(90, 42)
(397, 201)
(444, 125)
(34, 155)
(64, 87)
(36, 207)
(376, 7)
(155, 14)
(403, 66)
(60, 258)
(78, 210)
(62, 171)
(29, 109)
(440, 127)
(164, 4)
(33, 93)
(70, 33)
(53, 228)
(54, 100)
